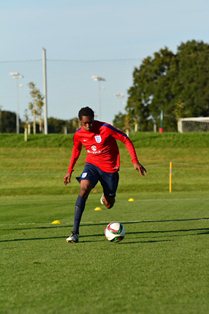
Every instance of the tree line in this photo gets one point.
(168, 86)
(8, 124)
(33, 117)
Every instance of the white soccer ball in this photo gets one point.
(114, 232)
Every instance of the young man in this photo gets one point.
(102, 162)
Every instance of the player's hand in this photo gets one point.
(139, 167)
(67, 178)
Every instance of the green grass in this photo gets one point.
(148, 139)
(160, 267)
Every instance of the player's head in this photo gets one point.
(85, 111)
(86, 117)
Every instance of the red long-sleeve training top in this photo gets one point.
(101, 147)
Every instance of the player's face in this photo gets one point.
(87, 122)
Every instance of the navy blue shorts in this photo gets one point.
(109, 181)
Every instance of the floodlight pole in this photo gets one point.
(17, 76)
(121, 97)
(44, 66)
(99, 79)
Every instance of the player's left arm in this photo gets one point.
(131, 149)
(140, 168)
(121, 136)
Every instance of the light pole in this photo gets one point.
(44, 66)
(161, 122)
(17, 76)
(121, 97)
(99, 79)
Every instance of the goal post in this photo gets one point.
(193, 124)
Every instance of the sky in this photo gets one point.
(83, 38)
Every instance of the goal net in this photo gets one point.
(200, 124)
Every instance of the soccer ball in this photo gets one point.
(114, 232)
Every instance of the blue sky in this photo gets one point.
(88, 37)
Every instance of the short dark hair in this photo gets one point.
(85, 111)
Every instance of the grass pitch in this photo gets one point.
(160, 267)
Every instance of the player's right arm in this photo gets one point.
(76, 150)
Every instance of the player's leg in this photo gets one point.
(109, 182)
(107, 201)
(85, 189)
(87, 181)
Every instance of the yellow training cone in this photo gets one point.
(97, 209)
(56, 222)
(131, 199)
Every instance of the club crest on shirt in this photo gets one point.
(98, 138)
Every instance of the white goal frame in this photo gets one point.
(198, 120)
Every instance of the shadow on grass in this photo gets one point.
(31, 239)
(184, 232)
(104, 223)
(86, 241)
(205, 231)
(143, 241)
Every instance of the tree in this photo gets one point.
(151, 91)
(36, 106)
(119, 121)
(175, 85)
(7, 121)
(191, 86)
(61, 126)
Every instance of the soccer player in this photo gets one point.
(102, 162)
